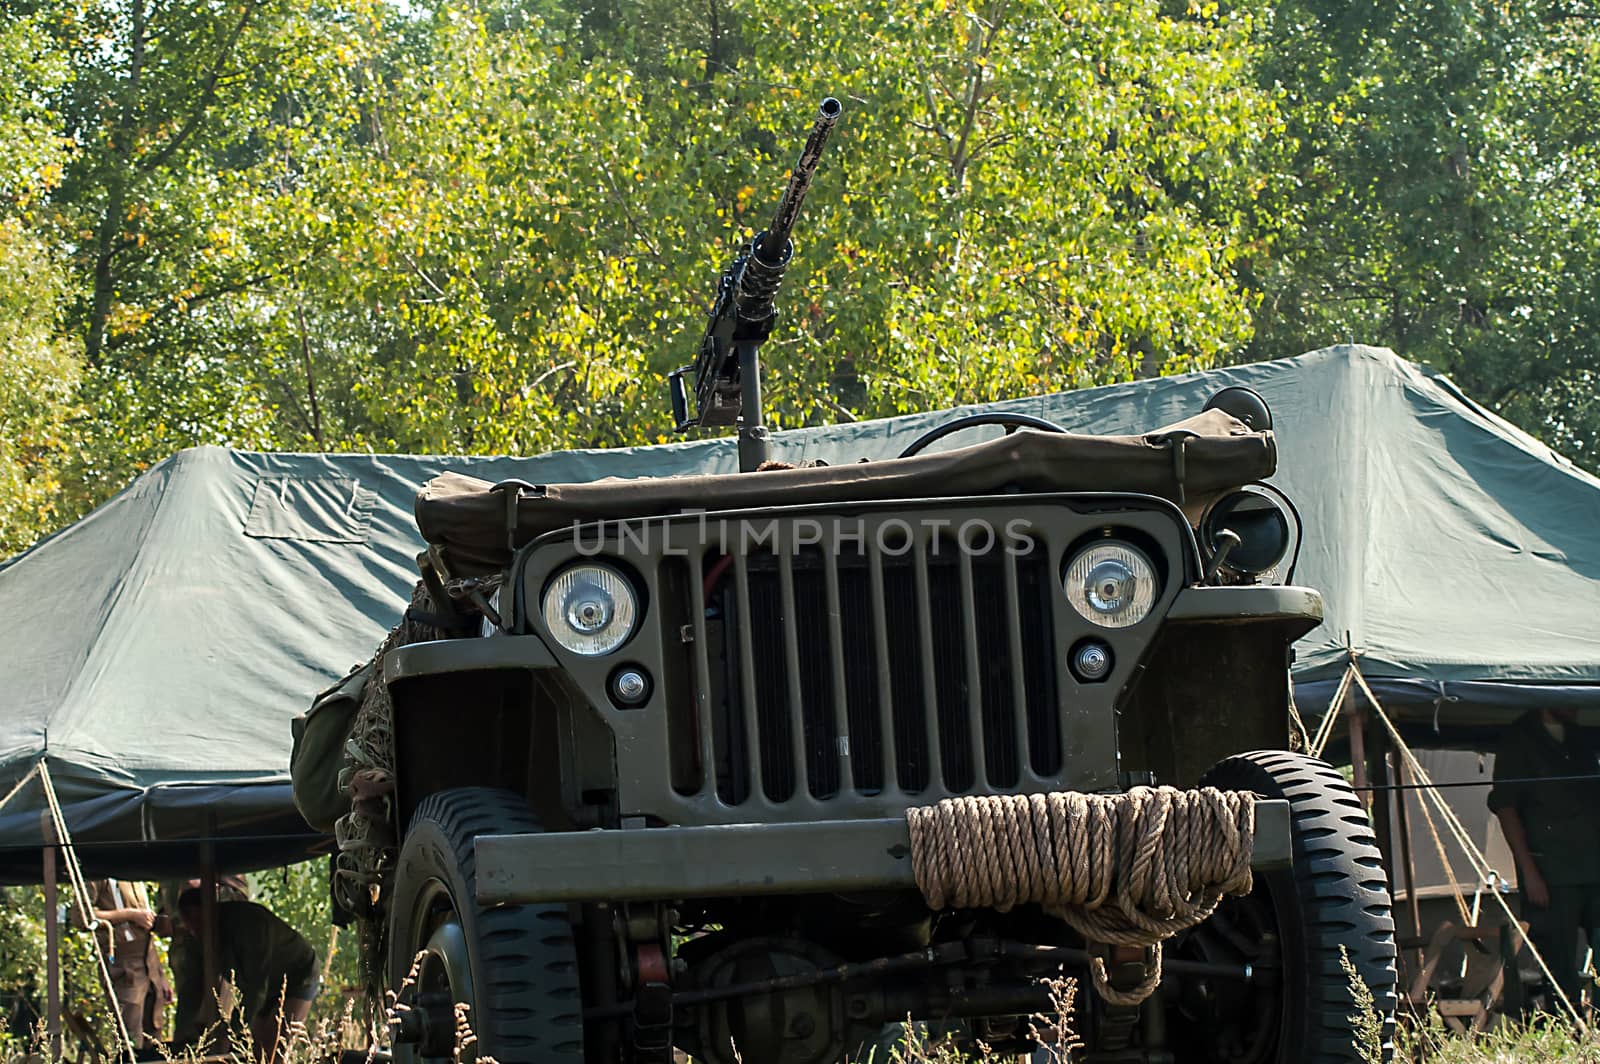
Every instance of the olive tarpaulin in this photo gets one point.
(158, 649)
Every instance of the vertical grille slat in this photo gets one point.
(992, 650)
(705, 729)
(843, 703)
(928, 669)
(972, 632)
(819, 707)
(796, 722)
(729, 727)
(948, 663)
(1036, 587)
(1017, 679)
(745, 622)
(888, 765)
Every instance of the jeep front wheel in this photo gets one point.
(1305, 933)
(507, 973)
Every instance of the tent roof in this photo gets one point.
(167, 638)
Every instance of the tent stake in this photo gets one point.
(52, 945)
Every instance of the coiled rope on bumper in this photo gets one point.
(1129, 869)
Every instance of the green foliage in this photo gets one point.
(504, 272)
(39, 366)
(347, 226)
(1542, 1040)
(1366, 1022)
(38, 389)
(1444, 198)
(180, 114)
(494, 226)
(22, 940)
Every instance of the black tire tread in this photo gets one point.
(525, 965)
(1341, 900)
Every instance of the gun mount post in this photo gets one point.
(753, 434)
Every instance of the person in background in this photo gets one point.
(124, 925)
(1546, 795)
(272, 968)
(186, 958)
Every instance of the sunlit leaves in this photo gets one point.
(540, 226)
(1445, 201)
(496, 226)
(38, 385)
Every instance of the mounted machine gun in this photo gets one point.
(727, 367)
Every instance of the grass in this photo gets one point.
(1543, 1040)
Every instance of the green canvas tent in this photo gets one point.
(160, 646)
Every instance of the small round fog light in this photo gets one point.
(1091, 661)
(630, 686)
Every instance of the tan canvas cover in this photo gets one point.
(467, 519)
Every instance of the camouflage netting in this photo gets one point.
(367, 835)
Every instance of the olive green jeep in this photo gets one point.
(779, 765)
(652, 793)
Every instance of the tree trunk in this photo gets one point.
(108, 233)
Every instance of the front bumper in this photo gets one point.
(730, 860)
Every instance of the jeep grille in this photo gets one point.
(845, 667)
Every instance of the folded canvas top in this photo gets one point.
(466, 518)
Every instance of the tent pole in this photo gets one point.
(52, 945)
(1383, 797)
(1408, 864)
(1358, 753)
(208, 912)
(82, 900)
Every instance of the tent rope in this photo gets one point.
(23, 782)
(1331, 717)
(1300, 732)
(1467, 917)
(80, 891)
(1463, 839)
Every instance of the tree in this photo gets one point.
(39, 367)
(184, 115)
(525, 238)
(1445, 198)
(38, 384)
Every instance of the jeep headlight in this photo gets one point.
(1111, 583)
(590, 609)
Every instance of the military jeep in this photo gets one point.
(657, 799)
(785, 765)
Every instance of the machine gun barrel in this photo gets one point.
(772, 248)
